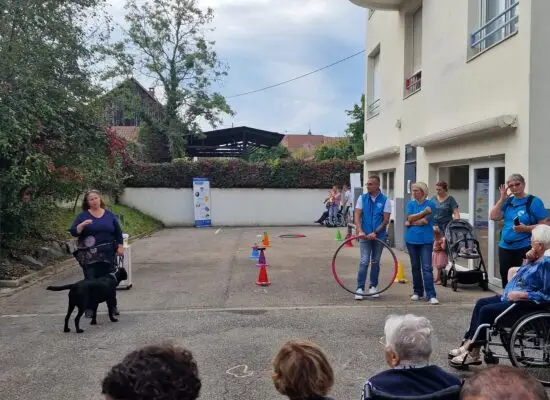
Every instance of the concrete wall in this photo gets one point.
(231, 207)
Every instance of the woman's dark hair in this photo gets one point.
(161, 372)
(443, 185)
(85, 205)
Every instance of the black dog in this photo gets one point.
(88, 294)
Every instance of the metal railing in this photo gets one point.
(510, 17)
(413, 84)
(373, 108)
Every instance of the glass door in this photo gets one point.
(485, 180)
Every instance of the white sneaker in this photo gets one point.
(374, 292)
(359, 294)
(434, 301)
(415, 297)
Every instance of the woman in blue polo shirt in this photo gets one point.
(515, 239)
(419, 238)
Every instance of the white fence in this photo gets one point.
(231, 207)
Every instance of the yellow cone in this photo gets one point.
(400, 277)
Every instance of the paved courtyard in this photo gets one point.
(197, 288)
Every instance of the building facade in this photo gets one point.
(457, 90)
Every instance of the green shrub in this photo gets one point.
(238, 173)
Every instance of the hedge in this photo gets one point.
(241, 174)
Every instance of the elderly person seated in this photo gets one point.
(530, 282)
(408, 347)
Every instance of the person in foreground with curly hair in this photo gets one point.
(301, 371)
(160, 372)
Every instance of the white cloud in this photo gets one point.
(269, 41)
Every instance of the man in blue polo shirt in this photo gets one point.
(372, 215)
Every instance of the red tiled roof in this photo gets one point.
(307, 143)
(130, 133)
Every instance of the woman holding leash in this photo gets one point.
(99, 237)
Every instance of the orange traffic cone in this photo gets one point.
(348, 243)
(263, 279)
(266, 240)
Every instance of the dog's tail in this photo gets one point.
(60, 288)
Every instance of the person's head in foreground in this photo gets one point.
(408, 340)
(502, 382)
(160, 372)
(302, 371)
(408, 344)
(540, 242)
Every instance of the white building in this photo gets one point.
(457, 90)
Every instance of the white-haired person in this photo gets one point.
(408, 345)
(530, 282)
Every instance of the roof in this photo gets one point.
(130, 133)
(232, 142)
(307, 142)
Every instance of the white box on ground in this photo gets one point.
(127, 284)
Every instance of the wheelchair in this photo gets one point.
(520, 334)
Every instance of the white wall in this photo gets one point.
(457, 90)
(231, 207)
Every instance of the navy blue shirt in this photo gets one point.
(411, 382)
(422, 234)
(104, 231)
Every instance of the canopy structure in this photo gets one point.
(232, 142)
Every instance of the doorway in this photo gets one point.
(485, 180)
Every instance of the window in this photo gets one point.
(373, 103)
(413, 53)
(387, 184)
(498, 20)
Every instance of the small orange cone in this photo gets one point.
(263, 279)
(266, 240)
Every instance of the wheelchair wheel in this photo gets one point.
(490, 359)
(530, 345)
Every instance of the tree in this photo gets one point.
(271, 153)
(356, 128)
(50, 148)
(165, 41)
(337, 150)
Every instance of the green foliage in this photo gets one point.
(238, 173)
(337, 150)
(271, 153)
(132, 221)
(356, 128)
(166, 41)
(50, 148)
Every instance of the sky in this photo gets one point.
(265, 42)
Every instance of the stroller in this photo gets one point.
(462, 243)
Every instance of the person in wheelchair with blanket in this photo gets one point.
(528, 286)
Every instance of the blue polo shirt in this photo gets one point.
(513, 208)
(423, 234)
